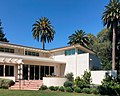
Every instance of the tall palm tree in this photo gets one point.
(79, 37)
(111, 18)
(43, 31)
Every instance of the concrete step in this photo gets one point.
(26, 85)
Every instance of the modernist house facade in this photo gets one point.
(27, 63)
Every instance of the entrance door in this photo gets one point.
(25, 72)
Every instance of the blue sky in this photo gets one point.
(66, 16)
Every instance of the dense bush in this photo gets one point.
(68, 84)
(62, 89)
(69, 76)
(77, 90)
(56, 88)
(52, 88)
(6, 83)
(69, 89)
(84, 81)
(94, 91)
(43, 87)
(86, 90)
(109, 86)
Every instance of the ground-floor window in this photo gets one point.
(37, 72)
(9, 70)
(1, 70)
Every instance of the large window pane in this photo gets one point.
(1, 70)
(51, 70)
(46, 70)
(36, 72)
(9, 70)
(31, 72)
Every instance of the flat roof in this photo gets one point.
(47, 51)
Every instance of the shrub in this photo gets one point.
(56, 88)
(109, 86)
(69, 89)
(52, 88)
(61, 89)
(68, 84)
(43, 87)
(86, 90)
(84, 81)
(77, 90)
(94, 90)
(69, 76)
(6, 83)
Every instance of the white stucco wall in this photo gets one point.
(98, 76)
(53, 81)
(82, 63)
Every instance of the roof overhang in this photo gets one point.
(72, 46)
(13, 58)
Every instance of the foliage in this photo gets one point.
(86, 90)
(62, 89)
(94, 90)
(68, 84)
(2, 35)
(43, 31)
(109, 86)
(77, 90)
(6, 83)
(69, 89)
(69, 76)
(52, 88)
(43, 87)
(79, 37)
(84, 81)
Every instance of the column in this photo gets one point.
(4, 70)
(28, 72)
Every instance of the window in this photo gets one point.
(69, 52)
(1, 70)
(9, 70)
(8, 50)
(31, 53)
(80, 51)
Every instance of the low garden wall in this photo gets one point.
(12, 78)
(98, 76)
(53, 81)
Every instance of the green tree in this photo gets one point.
(43, 31)
(79, 37)
(111, 18)
(2, 35)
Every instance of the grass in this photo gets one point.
(5, 92)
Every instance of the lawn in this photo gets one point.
(39, 93)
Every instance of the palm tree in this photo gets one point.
(79, 37)
(111, 18)
(43, 31)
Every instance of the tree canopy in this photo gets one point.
(43, 31)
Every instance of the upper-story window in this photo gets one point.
(2, 49)
(69, 52)
(31, 53)
(80, 51)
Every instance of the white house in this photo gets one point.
(27, 63)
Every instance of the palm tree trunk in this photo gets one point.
(113, 49)
(43, 44)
